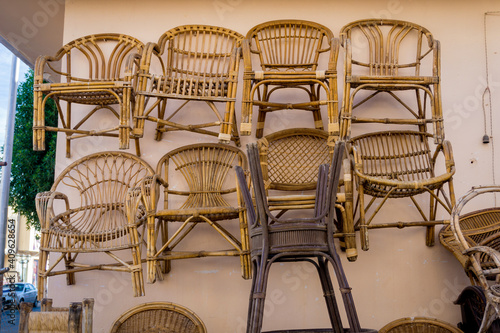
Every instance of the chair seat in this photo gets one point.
(95, 93)
(356, 80)
(212, 213)
(379, 187)
(206, 88)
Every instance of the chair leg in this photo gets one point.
(363, 228)
(70, 277)
(42, 270)
(137, 278)
(329, 294)
(162, 106)
(166, 264)
(151, 247)
(490, 314)
(261, 119)
(258, 296)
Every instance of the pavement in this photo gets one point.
(10, 320)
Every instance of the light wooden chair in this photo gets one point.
(191, 63)
(290, 160)
(401, 164)
(95, 70)
(287, 54)
(159, 317)
(92, 208)
(419, 325)
(78, 318)
(391, 56)
(203, 174)
(477, 244)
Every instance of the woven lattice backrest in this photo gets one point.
(285, 45)
(419, 325)
(395, 155)
(97, 187)
(479, 225)
(159, 317)
(290, 159)
(199, 60)
(388, 47)
(207, 169)
(100, 57)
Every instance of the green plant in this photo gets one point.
(32, 171)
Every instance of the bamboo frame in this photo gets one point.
(483, 264)
(206, 169)
(102, 221)
(197, 63)
(290, 160)
(385, 70)
(400, 164)
(156, 317)
(288, 57)
(108, 82)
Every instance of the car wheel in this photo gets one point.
(35, 303)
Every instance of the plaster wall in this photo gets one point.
(399, 276)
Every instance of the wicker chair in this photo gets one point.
(191, 63)
(159, 317)
(477, 238)
(290, 160)
(288, 56)
(418, 325)
(98, 72)
(211, 197)
(78, 318)
(392, 56)
(281, 239)
(89, 210)
(401, 164)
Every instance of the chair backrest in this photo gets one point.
(100, 181)
(386, 47)
(159, 317)
(199, 60)
(395, 155)
(99, 57)
(289, 45)
(419, 325)
(206, 169)
(290, 159)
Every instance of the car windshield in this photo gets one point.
(8, 287)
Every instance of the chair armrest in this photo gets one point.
(347, 56)
(490, 252)
(150, 192)
(445, 148)
(44, 203)
(334, 54)
(144, 71)
(247, 55)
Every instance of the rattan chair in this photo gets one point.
(95, 70)
(203, 174)
(308, 239)
(401, 164)
(483, 264)
(290, 160)
(286, 54)
(90, 210)
(392, 56)
(158, 317)
(419, 325)
(78, 318)
(191, 63)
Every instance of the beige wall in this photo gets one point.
(399, 276)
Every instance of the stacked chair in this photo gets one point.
(394, 162)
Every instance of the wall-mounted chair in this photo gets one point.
(157, 317)
(191, 63)
(401, 164)
(203, 174)
(95, 70)
(391, 56)
(92, 208)
(77, 318)
(477, 239)
(308, 239)
(290, 160)
(286, 54)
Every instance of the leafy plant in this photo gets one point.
(32, 171)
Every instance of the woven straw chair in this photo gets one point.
(94, 70)
(192, 63)
(89, 210)
(392, 56)
(159, 317)
(290, 160)
(281, 239)
(289, 54)
(401, 164)
(211, 196)
(78, 318)
(483, 262)
(418, 325)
